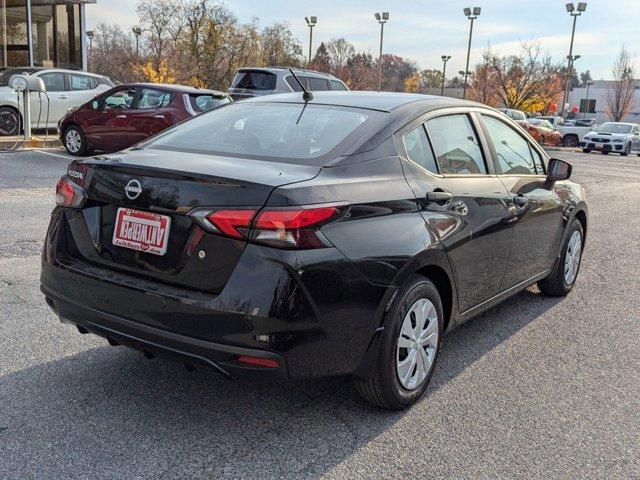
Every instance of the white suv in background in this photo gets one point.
(65, 89)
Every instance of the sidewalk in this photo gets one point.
(37, 141)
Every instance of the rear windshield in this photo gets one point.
(283, 131)
(202, 103)
(609, 127)
(255, 81)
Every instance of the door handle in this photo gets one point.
(159, 116)
(121, 116)
(440, 197)
(63, 97)
(520, 200)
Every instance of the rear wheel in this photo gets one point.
(586, 150)
(74, 141)
(561, 280)
(570, 141)
(9, 121)
(409, 347)
(605, 152)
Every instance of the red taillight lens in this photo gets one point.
(234, 223)
(259, 362)
(68, 194)
(278, 227)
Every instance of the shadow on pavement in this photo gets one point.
(108, 412)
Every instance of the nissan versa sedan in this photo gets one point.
(289, 237)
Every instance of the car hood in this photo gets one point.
(612, 136)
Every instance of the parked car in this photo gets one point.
(617, 137)
(65, 89)
(128, 114)
(517, 116)
(544, 133)
(278, 238)
(571, 135)
(255, 82)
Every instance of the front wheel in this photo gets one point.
(74, 141)
(586, 150)
(408, 349)
(563, 277)
(570, 141)
(627, 150)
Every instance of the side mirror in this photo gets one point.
(95, 105)
(558, 170)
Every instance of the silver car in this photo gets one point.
(617, 137)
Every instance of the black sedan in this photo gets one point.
(287, 237)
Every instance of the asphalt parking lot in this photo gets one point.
(537, 388)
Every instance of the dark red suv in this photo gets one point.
(128, 114)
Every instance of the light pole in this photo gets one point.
(575, 12)
(586, 107)
(311, 21)
(137, 31)
(471, 15)
(445, 59)
(382, 19)
(90, 34)
(571, 58)
(464, 74)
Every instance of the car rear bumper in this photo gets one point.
(154, 342)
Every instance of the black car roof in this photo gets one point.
(381, 101)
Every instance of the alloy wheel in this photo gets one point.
(572, 258)
(417, 344)
(8, 123)
(73, 141)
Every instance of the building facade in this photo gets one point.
(592, 102)
(43, 33)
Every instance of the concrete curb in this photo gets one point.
(17, 143)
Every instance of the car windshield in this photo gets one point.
(610, 127)
(281, 130)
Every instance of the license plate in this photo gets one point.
(144, 231)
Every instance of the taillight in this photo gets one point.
(68, 194)
(296, 227)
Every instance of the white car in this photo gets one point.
(617, 137)
(65, 89)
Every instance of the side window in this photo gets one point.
(337, 85)
(120, 99)
(318, 84)
(54, 81)
(537, 161)
(293, 84)
(456, 145)
(513, 151)
(151, 99)
(418, 149)
(80, 82)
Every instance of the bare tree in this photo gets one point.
(339, 51)
(163, 21)
(113, 53)
(620, 98)
(525, 81)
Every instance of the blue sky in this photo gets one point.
(423, 30)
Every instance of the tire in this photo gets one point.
(627, 150)
(9, 121)
(559, 283)
(559, 142)
(385, 388)
(570, 141)
(75, 141)
(605, 152)
(586, 150)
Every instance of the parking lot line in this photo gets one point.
(55, 154)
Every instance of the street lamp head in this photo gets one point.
(467, 11)
(137, 30)
(385, 15)
(476, 11)
(570, 7)
(311, 21)
(582, 6)
(90, 34)
(576, 57)
(445, 58)
(378, 17)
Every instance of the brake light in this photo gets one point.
(259, 362)
(296, 227)
(68, 194)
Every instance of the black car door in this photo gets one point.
(538, 207)
(461, 199)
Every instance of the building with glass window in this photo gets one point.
(43, 33)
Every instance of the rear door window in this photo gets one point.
(418, 149)
(337, 85)
(514, 153)
(456, 145)
(80, 82)
(317, 84)
(151, 98)
(255, 80)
